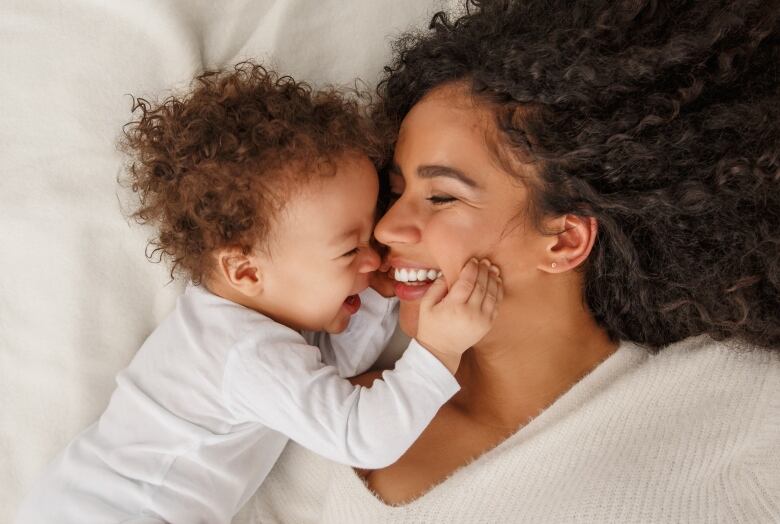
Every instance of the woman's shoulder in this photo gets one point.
(730, 379)
(695, 381)
(750, 373)
(728, 391)
(743, 382)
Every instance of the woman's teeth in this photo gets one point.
(415, 275)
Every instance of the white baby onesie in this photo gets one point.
(206, 406)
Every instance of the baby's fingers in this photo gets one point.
(462, 288)
(480, 285)
(434, 294)
(499, 299)
(493, 292)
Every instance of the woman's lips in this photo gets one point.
(414, 291)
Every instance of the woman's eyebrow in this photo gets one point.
(445, 171)
(433, 171)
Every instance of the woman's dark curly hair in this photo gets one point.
(213, 167)
(661, 119)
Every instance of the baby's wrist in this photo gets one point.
(450, 359)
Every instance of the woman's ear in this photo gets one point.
(569, 248)
(240, 271)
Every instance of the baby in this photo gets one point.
(263, 194)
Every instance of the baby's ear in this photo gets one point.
(240, 271)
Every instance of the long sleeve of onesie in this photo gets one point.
(282, 383)
(206, 407)
(357, 348)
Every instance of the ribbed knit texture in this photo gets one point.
(691, 434)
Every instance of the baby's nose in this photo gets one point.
(370, 260)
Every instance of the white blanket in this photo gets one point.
(77, 295)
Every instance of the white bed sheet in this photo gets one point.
(77, 296)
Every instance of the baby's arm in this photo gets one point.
(286, 387)
(356, 349)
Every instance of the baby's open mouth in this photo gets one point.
(414, 276)
(352, 304)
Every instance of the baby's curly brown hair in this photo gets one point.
(212, 168)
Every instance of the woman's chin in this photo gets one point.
(408, 317)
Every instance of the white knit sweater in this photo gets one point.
(691, 434)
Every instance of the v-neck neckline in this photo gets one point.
(627, 356)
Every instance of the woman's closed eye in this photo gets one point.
(438, 200)
(351, 252)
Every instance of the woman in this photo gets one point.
(619, 162)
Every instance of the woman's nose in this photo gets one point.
(397, 226)
(370, 260)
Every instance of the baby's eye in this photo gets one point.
(440, 199)
(351, 252)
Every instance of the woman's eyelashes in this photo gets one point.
(351, 252)
(436, 200)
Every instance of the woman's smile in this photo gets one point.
(411, 279)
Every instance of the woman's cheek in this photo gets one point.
(446, 246)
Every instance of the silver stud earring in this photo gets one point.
(554, 265)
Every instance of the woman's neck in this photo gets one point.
(524, 365)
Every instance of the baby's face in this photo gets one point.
(320, 254)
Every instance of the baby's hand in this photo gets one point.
(451, 322)
(380, 282)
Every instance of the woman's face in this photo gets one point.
(453, 202)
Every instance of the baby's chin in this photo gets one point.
(408, 317)
(337, 325)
